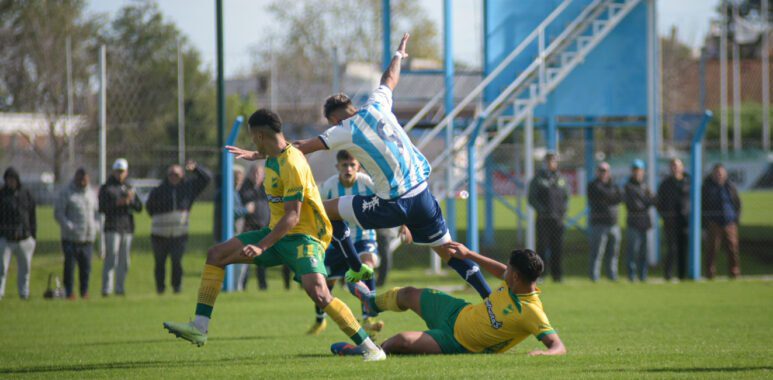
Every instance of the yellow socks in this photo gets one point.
(211, 282)
(388, 300)
(343, 317)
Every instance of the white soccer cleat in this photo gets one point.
(374, 355)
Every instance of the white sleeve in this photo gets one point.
(336, 137)
(382, 95)
(325, 189)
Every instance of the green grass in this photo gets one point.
(702, 330)
(714, 329)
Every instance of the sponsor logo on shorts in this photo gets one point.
(436, 234)
(370, 205)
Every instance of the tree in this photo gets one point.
(142, 85)
(309, 31)
(33, 75)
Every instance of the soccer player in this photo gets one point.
(508, 316)
(349, 181)
(297, 236)
(400, 172)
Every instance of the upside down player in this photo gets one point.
(508, 316)
(400, 172)
(297, 236)
(349, 181)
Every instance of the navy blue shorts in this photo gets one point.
(420, 212)
(335, 262)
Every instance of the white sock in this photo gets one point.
(202, 323)
(368, 345)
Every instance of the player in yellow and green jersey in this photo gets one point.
(510, 314)
(297, 237)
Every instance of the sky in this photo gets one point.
(246, 24)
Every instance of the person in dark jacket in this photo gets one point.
(78, 217)
(673, 203)
(169, 206)
(549, 196)
(721, 208)
(638, 200)
(117, 200)
(18, 231)
(603, 197)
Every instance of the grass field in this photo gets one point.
(656, 330)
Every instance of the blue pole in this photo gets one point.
(472, 201)
(386, 20)
(488, 236)
(696, 168)
(227, 199)
(448, 68)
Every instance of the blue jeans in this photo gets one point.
(80, 254)
(637, 253)
(604, 245)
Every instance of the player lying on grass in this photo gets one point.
(508, 316)
(297, 236)
(399, 170)
(349, 181)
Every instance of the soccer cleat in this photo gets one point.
(366, 272)
(317, 328)
(187, 331)
(348, 349)
(372, 326)
(374, 356)
(365, 295)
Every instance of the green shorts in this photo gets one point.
(439, 311)
(302, 253)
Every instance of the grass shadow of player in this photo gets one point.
(171, 340)
(709, 369)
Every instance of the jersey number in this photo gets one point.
(392, 138)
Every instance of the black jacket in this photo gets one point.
(603, 199)
(549, 194)
(17, 211)
(166, 198)
(673, 199)
(117, 218)
(712, 204)
(262, 215)
(638, 200)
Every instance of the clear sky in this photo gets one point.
(246, 24)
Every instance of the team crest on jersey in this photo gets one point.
(509, 309)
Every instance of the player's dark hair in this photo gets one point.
(264, 118)
(344, 155)
(336, 102)
(527, 263)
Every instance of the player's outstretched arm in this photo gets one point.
(492, 266)
(244, 154)
(553, 343)
(289, 220)
(310, 145)
(392, 74)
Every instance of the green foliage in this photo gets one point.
(751, 122)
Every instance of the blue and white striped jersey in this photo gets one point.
(363, 185)
(375, 138)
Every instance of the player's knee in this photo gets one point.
(331, 209)
(215, 256)
(396, 344)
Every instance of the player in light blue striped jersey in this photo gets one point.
(400, 172)
(349, 181)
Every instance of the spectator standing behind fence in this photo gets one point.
(117, 200)
(721, 211)
(18, 229)
(77, 213)
(638, 200)
(169, 205)
(549, 196)
(673, 203)
(603, 197)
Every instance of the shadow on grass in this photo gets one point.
(171, 363)
(694, 369)
(172, 339)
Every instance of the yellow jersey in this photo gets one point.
(501, 321)
(288, 178)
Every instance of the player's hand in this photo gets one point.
(244, 154)
(190, 165)
(405, 235)
(403, 45)
(252, 251)
(457, 250)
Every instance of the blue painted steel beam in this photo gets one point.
(696, 168)
(488, 235)
(227, 200)
(448, 72)
(386, 27)
(472, 201)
